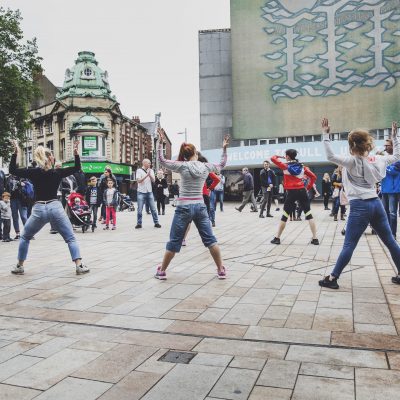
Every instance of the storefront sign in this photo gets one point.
(99, 167)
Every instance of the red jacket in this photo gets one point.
(214, 183)
(294, 182)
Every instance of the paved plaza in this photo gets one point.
(267, 332)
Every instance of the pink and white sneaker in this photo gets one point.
(221, 273)
(161, 275)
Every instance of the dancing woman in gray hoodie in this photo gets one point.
(190, 205)
(361, 173)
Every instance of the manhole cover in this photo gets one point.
(177, 357)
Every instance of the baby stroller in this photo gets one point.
(78, 211)
(126, 203)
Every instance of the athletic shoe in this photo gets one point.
(221, 273)
(157, 225)
(238, 209)
(114, 228)
(53, 231)
(8, 240)
(106, 228)
(82, 269)
(18, 270)
(253, 210)
(270, 216)
(331, 284)
(276, 240)
(261, 216)
(138, 226)
(396, 280)
(315, 242)
(277, 209)
(161, 275)
(183, 242)
(17, 236)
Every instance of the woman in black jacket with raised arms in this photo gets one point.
(47, 208)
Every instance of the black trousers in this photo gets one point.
(6, 228)
(299, 195)
(326, 200)
(161, 203)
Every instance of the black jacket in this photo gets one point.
(248, 182)
(160, 185)
(326, 187)
(267, 177)
(96, 192)
(80, 178)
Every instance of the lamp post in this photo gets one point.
(184, 133)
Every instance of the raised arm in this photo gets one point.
(279, 164)
(20, 172)
(169, 164)
(390, 159)
(64, 172)
(345, 161)
(224, 157)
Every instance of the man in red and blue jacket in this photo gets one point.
(294, 174)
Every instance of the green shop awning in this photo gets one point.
(98, 167)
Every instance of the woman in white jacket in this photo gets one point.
(361, 173)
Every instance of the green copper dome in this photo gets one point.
(88, 123)
(85, 79)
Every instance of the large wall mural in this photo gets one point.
(294, 59)
(354, 39)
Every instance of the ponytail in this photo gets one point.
(42, 155)
(186, 152)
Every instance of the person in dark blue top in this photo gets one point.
(46, 180)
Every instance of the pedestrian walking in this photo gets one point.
(294, 174)
(361, 173)
(47, 208)
(190, 206)
(248, 190)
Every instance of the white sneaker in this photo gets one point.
(82, 269)
(18, 270)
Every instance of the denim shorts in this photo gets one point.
(184, 215)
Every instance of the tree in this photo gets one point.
(19, 64)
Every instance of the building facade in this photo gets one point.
(84, 109)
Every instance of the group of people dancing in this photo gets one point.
(359, 174)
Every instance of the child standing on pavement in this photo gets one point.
(5, 211)
(93, 198)
(110, 198)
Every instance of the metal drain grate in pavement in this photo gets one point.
(177, 357)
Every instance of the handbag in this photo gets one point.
(344, 201)
(335, 193)
(166, 192)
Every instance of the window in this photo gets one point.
(103, 146)
(50, 125)
(308, 138)
(282, 140)
(40, 127)
(272, 141)
(50, 145)
(61, 123)
(317, 138)
(344, 136)
(263, 141)
(88, 72)
(253, 142)
(299, 139)
(235, 143)
(29, 134)
(246, 142)
(62, 149)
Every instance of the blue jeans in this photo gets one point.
(391, 205)
(147, 198)
(219, 197)
(212, 206)
(18, 210)
(41, 215)
(362, 213)
(336, 206)
(183, 216)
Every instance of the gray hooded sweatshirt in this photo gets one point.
(361, 174)
(193, 175)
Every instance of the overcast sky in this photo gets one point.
(148, 47)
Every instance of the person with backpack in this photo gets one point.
(294, 174)
(19, 207)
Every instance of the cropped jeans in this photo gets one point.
(183, 216)
(362, 213)
(41, 215)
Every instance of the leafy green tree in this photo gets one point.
(19, 64)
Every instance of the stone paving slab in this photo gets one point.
(268, 331)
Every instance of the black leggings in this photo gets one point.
(299, 195)
(326, 200)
